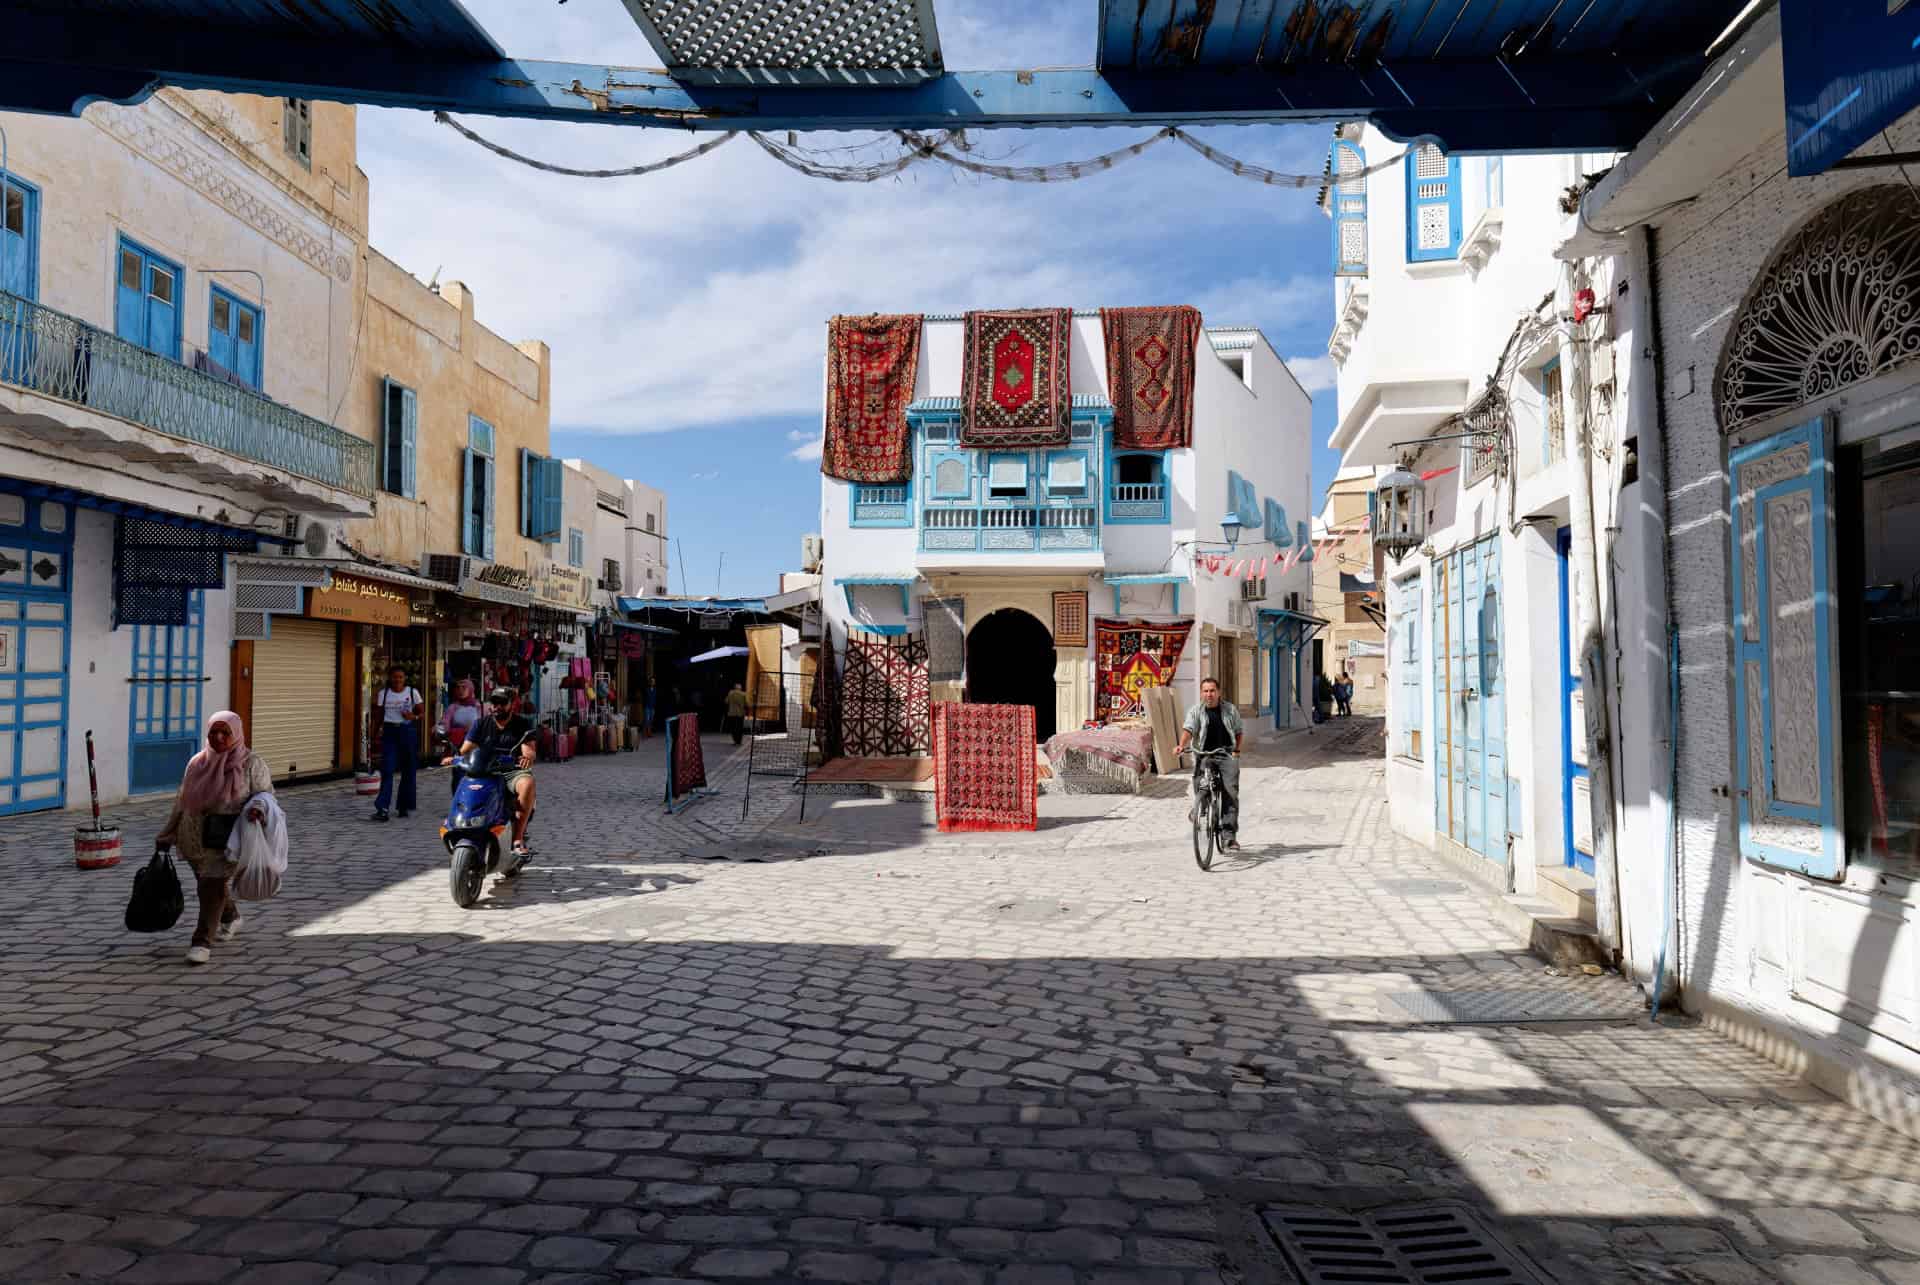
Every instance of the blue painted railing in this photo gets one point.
(50, 353)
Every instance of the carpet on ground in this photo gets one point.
(985, 772)
(884, 697)
(1017, 392)
(872, 362)
(686, 765)
(1150, 356)
(1120, 754)
(1130, 657)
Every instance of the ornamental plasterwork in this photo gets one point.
(1353, 315)
(1791, 648)
(210, 172)
(1838, 304)
(1757, 476)
(1483, 241)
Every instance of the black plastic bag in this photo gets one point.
(157, 899)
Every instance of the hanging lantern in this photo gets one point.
(1400, 512)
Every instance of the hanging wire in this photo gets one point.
(948, 148)
(632, 171)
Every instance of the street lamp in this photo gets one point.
(1230, 528)
(1400, 511)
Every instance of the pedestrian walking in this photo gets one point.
(218, 782)
(397, 710)
(462, 713)
(1343, 693)
(736, 712)
(652, 700)
(1322, 697)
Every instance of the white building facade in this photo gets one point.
(177, 285)
(1027, 539)
(1455, 356)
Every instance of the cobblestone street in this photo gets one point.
(851, 1049)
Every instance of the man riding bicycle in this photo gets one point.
(1217, 726)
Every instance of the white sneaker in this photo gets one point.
(199, 955)
(229, 930)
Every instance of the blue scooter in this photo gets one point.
(481, 813)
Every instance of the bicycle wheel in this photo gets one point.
(1204, 804)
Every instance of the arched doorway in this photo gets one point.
(1010, 662)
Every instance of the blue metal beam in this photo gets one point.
(57, 64)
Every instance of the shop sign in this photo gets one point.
(505, 577)
(363, 602)
(567, 587)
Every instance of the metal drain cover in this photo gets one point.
(1043, 910)
(1422, 887)
(1425, 1244)
(1605, 1003)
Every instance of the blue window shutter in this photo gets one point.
(527, 482)
(383, 461)
(469, 531)
(1786, 655)
(491, 501)
(1306, 541)
(1433, 204)
(1347, 201)
(130, 295)
(1279, 534)
(409, 443)
(554, 499)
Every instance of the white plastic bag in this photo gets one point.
(262, 850)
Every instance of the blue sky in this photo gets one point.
(687, 310)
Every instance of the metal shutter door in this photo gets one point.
(294, 676)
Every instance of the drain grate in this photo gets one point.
(1598, 1003)
(1431, 1244)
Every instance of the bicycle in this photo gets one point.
(1209, 800)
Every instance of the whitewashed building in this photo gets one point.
(1778, 428)
(178, 284)
(1455, 353)
(1125, 529)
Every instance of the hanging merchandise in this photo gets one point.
(1131, 657)
(872, 363)
(1017, 392)
(1150, 366)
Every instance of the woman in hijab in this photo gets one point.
(462, 713)
(219, 781)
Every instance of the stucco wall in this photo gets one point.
(432, 344)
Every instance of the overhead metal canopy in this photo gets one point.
(1476, 75)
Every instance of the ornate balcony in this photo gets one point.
(64, 359)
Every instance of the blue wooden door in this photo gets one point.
(146, 301)
(166, 701)
(1470, 758)
(1490, 696)
(1576, 797)
(233, 335)
(19, 272)
(1472, 747)
(36, 547)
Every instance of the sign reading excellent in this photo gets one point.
(361, 602)
(566, 587)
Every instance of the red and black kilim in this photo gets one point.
(883, 708)
(1019, 387)
(985, 775)
(872, 363)
(1150, 353)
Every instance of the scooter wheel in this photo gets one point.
(468, 872)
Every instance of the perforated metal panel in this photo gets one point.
(266, 597)
(249, 626)
(282, 571)
(1397, 1245)
(156, 565)
(793, 41)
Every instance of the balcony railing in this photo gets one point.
(1137, 501)
(56, 355)
(1015, 529)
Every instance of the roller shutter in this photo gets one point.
(295, 674)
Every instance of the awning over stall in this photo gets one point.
(1288, 629)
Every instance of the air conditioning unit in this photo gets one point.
(315, 536)
(812, 550)
(447, 568)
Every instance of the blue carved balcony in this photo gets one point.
(60, 357)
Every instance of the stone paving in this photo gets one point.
(850, 1049)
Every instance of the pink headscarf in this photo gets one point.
(214, 777)
(463, 693)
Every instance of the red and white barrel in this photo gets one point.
(366, 784)
(96, 847)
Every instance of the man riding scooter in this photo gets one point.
(501, 731)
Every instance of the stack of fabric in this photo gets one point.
(1103, 760)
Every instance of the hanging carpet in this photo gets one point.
(1150, 353)
(985, 773)
(1018, 389)
(884, 697)
(872, 363)
(686, 765)
(946, 638)
(1130, 657)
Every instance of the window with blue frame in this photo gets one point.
(1006, 477)
(542, 497)
(19, 238)
(1403, 656)
(146, 300)
(234, 335)
(399, 439)
(1348, 205)
(1067, 474)
(576, 547)
(888, 504)
(1433, 204)
(478, 471)
(165, 696)
(1137, 487)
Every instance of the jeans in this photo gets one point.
(399, 749)
(1229, 770)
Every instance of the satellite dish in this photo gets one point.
(317, 539)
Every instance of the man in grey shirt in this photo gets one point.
(1214, 724)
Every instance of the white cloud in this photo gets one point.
(699, 296)
(710, 476)
(1316, 374)
(811, 444)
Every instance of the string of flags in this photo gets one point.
(1251, 568)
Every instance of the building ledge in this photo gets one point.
(1395, 412)
(1353, 315)
(1483, 240)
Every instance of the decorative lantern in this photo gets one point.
(1400, 512)
(1230, 527)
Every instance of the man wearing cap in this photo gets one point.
(504, 730)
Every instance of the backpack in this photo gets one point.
(157, 899)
